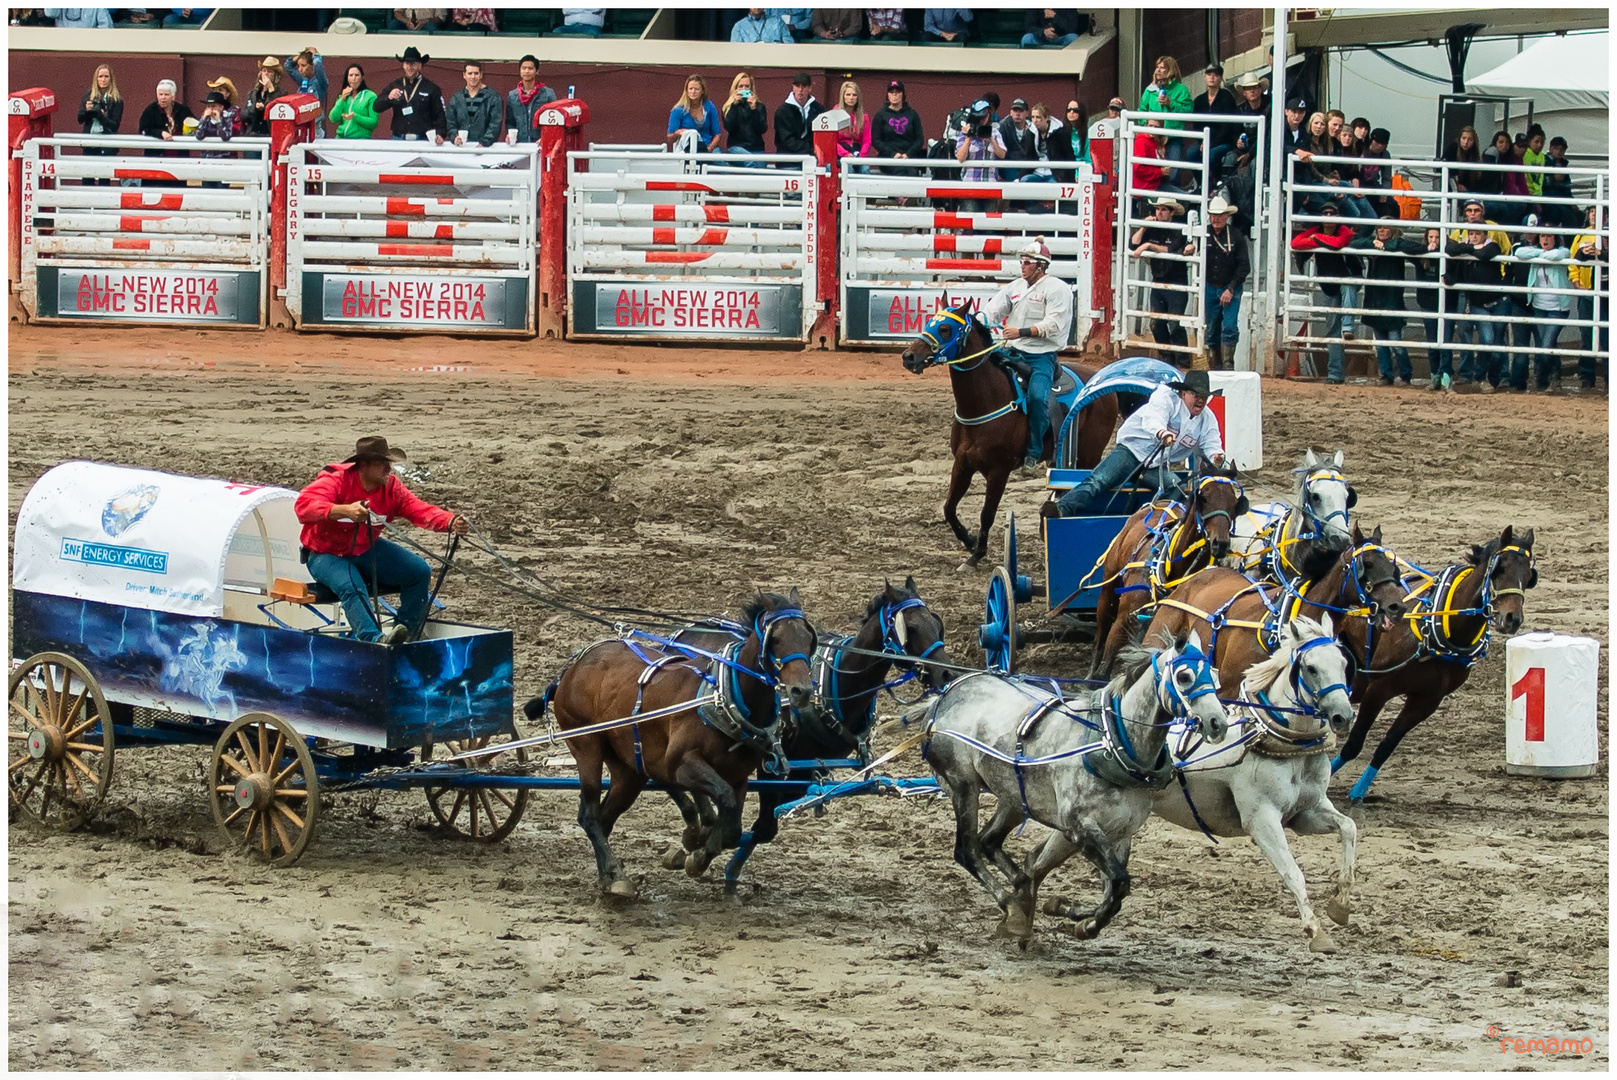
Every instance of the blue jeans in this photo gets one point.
(1035, 41)
(396, 568)
(1439, 361)
(1590, 366)
(1546, 332)
(1223, 321)
(1336, 325)
(744, 151)
(1386, 355)
(581, 29)
(1038, 398)
(1113, 469)
(1481, 363)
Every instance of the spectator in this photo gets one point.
(693, 112)
(178, 17)
(418, 20)
(1352, 179)
(1323, 243)
(1590, 247)
(213, 124)
(1167, 94)
(1550, 309)
(475, 110)
(309, 69)
(582, 22)
(799, 21)
(81, 18)
(1471, 265)
(1047, 135)
(887, 24)
(30, 17)
(1387, 255)
(101, 111)
(474, 19)
(225, 86)
(1148, 146)
(165, 117)
(1517, 303)
(854, 140)
(1228, 264)
(745, 117)
(522, 104)
(138, 16)
(1440, 361)
(1474, 219)
(947, 24)
(794, 120)
(1072, 142)
(1017, 135)
(1163, 240)
(756, 26)
(1534, 158)
(1503, 152)
(978, 139)
(415, 101)
(1216, 101)
(1054, 28)
(1558, 186)
(1335, 121)
(255, 113)
(1361, 131)
(1375, 177)
(1465, 150)
(896, 128)
(838, 24)
(1108, 126)
(354, 111)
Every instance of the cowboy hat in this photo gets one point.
(225, 83)
(375, 448)
(1249, 79)
(1218, 205)
(1194, 381)
(412, 55)
(271, 63)
(1169, 202)
(346, 25)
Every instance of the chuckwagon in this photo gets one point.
(1073, 546)
(150, 609)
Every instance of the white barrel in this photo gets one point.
(1242, 421)
(1552, 688)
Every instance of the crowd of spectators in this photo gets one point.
(1041, 27)
(107, 18)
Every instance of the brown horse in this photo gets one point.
(1444, 632)
(707, 750)
(990, 433)
(1361, 590)
(1161, 545)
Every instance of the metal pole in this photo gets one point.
(1269, 333)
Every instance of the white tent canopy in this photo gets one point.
(1570, 72)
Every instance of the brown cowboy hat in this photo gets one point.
(271, 63)
(375, 448)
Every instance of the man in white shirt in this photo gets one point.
(1174, 424)
(1037, 310)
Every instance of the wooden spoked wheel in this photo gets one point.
(484, 814)
(60, 738)
(263, 788)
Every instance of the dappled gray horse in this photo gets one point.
(1286, 541)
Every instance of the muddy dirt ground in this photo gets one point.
(683, 478)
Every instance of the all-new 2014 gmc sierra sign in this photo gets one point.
(155, 295)
(693, 310)
(415, 301)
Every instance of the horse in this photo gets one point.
(1242, 618)
(1159, 546)
(707, 744)
(1086, 767)
(1444, 634)
(1277, 540)
(990, 431)
(848, 671)
(1271, 774)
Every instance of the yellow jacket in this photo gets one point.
(1583, 277)
(1502, 239)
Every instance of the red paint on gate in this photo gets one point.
(717, 213)
(440, 250)
(662, 212)
(662, 236)
(716, 237)
(682, 257)
(144, 200)
(963, 264)
(965, 193)
(406, 207)
(128, 244)
(410, 178)
(142, 174)
(132, 222)
(941, 220)
(676, 185)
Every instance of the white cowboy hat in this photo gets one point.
(346, 25)
(1171, 204)
(1218, 205)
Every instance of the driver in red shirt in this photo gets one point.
(343, 512)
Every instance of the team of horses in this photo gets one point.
(1233, 641)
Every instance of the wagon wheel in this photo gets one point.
(262, 785)
(997, 633)
(481, 814)
(60, 762)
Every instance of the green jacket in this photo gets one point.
(361, 121)
(1178, 102)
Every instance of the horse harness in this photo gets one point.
(1166, 534)
(1288, 530)
(1432, 611)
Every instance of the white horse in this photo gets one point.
(1273, 772)
(1086, 767)
(1313, 526)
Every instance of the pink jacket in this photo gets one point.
(338, 484)
(851, 143)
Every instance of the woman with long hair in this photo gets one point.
(1466, 149)
(1354, 204)
(1504, 151)
(101, 111)
(255, 113)
(232, 110)
(854, 140)
(745, 117)
(696, 113)
(309, 69)
(354, 111)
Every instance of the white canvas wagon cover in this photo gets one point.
(152, 540)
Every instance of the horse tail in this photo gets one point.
(535, 709)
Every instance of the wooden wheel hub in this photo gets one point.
(47, 743)
(254, 792)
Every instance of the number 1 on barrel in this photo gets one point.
(1531, 684)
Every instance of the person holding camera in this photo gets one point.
(745, 118)
(978, 139)
(343, 511)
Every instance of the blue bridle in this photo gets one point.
(946, 333)
(771, 665)
(1308, 694)
(1200, 665)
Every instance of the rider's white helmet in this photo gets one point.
(1035, 249)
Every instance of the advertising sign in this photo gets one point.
(687, 310)
(888, 314)
(416, 301)
(149, 295)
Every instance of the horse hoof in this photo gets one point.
(695, 867)
(1018, 924)
(1086, 930)
(1339, 911)
(622, 887)
(1321, 943)
(674, 857)
(1054, 905)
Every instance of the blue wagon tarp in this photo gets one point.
(152, 540)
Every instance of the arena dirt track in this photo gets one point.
(684, 478)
